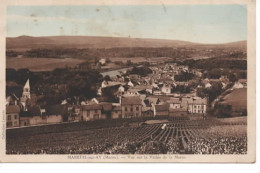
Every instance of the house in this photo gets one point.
(12, 100)
(102, 61)
(224, 85)
(161, 110)
(116, 112)
(208, 85)
(105, 84)
(131, 106)
(32, 116)
(166, 89)
(36, 116)
(185, 101)
(74, 113)
(130, 84)
(178, 112)
(25, 117)
(132, 92)
(91, 112)
(175, 103)
(243, 82)
(237, 85)
(121, 89)
(12, 115)
(197, 105)
(147, 112)
(56, 114)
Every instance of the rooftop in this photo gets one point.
(92, 107)
(12, 109)
(131, 100)
(164, 107)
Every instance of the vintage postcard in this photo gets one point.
(128, 81)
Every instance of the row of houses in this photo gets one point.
(135, 106)
(16, 117)
(128, 107)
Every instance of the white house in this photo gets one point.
(208, 85)
(102, 61)
(166, 89)
(237, 85)
(130, 84)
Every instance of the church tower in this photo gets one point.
(26, 90)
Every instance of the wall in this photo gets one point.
(91, 115)
(116, 114)
(175, 105)
(196, 108)
(54, 119)
(14, 121)
(133, 112)
(35, 120)
(162, 113)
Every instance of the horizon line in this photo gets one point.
(191, 42)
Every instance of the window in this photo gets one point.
(9, 124)
(137, 108)
(15, 117)
(125, 108)
(88, 113)
(96, 111)
(131, 109)
(9, 117)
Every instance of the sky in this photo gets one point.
(195, 23)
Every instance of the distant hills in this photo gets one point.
(28, 42)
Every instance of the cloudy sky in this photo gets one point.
(195, 23)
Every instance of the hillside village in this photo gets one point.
(167, 90)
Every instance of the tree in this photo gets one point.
(223, 110)
(232, 77)
(142, 71)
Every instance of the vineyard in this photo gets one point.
(173, 137)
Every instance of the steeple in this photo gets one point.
(26, 90)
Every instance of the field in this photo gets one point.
(41, 64)
(237, 98)
(210, 136)
(125, 59)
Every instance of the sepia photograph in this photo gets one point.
(122, 81)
